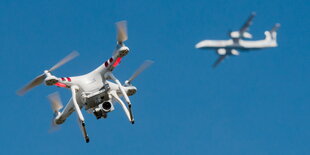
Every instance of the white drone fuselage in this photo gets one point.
(92, 89)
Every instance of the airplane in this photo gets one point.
(93, 91)
(237, 42)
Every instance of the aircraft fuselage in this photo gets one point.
(238, 45)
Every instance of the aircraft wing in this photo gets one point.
(247, 24)
(219, 60)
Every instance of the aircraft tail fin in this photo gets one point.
(273, 31)
(275, 28)
(272, 34)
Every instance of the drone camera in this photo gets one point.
(99, 113)
(107, 106)
(102, 110)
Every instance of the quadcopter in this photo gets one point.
(94, 91)
(236, 43)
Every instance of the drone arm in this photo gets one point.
(79, 113)
(117, 98)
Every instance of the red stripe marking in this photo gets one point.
(63, 79)
(118, 60)
(60, 85)
(69, 79)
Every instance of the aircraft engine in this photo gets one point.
(234, 52)
(235, 34)
(247, 35)
(221, 51)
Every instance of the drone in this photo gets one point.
(237, 42)
(93, 91)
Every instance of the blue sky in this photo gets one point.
(257, 103)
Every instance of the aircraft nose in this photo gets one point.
(200, 44)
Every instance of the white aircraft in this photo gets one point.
(237, 43)
(92, 91)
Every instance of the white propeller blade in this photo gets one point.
(35, 82)
(69, 57)
(39, 79)
(56, 104)
(121, 31)
(145, 65)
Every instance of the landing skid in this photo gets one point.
(132, 121)
(84, 132)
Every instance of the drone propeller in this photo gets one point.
(121, 31)
(145, 65)
(39, 79)
(68, 58)
(35, 82)
(56, 105)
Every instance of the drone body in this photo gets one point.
(92, 91)
(237, 43)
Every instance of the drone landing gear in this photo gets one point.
(79, 113)
(127, 110)
(132, 121)
(84, 132)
